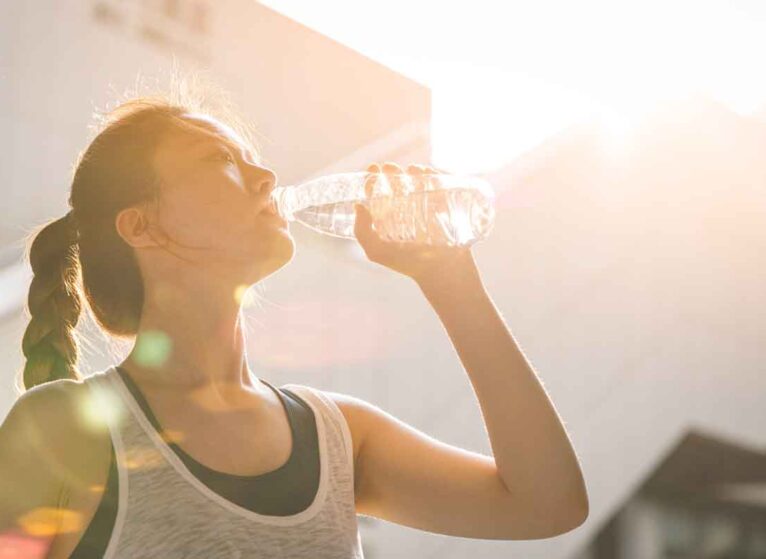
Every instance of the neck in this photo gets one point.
(191, 338)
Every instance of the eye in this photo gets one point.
(222, 155)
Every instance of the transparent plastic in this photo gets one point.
(434, 209)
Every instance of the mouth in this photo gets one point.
(270, 209)
(268, 204)
(269, 214)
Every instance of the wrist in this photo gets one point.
(462, 277)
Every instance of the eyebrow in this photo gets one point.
(214, 139)
(208, 140)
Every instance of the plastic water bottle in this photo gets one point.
(434, 209)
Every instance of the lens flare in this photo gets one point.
(48, 521)
(100, 409)
(23, 545)
(171, 435)
(153, 348)
(244, 296)
(138, 458)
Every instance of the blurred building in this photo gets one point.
(706, 499)
(630, 268)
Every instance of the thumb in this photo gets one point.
(361, 216)
(361, 212)
(362, 222)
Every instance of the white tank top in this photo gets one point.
(164, 511)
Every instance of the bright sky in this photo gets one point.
(505, 75)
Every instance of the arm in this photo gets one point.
(532, 489)
(534, 456)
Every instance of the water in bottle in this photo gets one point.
(434, 209)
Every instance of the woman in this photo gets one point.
(193, 455)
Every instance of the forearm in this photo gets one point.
(532, 451)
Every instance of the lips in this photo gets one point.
(268, 214)
(266, 207)
(270, 208)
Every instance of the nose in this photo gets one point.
(262, 180)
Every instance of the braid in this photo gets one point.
(54, 304)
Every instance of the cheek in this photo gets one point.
(207, 219)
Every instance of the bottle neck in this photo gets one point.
(281, 201)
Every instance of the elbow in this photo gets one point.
(547, 516)
(543, 521)
(541, 526)
(574, 511)
(574, 518)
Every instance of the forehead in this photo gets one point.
(212, 125)
(200, 128)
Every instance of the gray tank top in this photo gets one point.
(164, 511)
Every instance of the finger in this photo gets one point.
(389, 167)
(396, 178)
(369, 183)
(418, 173)
(435, 180)
(369, 186)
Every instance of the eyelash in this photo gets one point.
(225, 154)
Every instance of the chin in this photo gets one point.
(280, 254)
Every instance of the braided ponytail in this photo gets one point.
(54, 305)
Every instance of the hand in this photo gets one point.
(419, 261)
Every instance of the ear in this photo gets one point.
(133, 226)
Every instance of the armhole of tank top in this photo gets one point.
(328, 403)
(107, 399)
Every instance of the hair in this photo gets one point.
(80, 258)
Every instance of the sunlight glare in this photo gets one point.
(142, 458)
(481, 116)
(243, 295)
(504, 76)
(619, 128)
(100, 409)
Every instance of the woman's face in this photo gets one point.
(212, 196)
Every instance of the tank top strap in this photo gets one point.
(109, 408)
(332, 412)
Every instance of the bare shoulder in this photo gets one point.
(47, 398)
(43, 411)
(55, 408)
(60, 417)
(49, 442)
